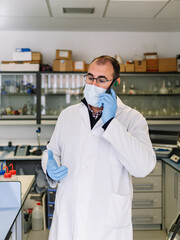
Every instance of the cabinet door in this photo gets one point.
(146, 216)
(147, 200)
(147, 184)
(58, 91)
(157, 171)
(18, 97)
(155, 95)
(172, 195)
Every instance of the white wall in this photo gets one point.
(87, 45)
(24, 134)
(84, 46)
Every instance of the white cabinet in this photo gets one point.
(147, 200)
(18, 96)
(11, 215)
(172, 195)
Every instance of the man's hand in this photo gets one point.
(56, 173)
(109, 103)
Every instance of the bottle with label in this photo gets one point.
(163, 89)
(37, 217)
(178, 63)
(132, 90)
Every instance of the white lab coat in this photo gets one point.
(93, 202)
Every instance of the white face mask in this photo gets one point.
(91, 94)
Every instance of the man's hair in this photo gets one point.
(104, 59)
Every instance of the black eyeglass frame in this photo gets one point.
(93, 78)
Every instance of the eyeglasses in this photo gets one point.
(99, 80)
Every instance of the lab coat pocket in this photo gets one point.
(119, 214)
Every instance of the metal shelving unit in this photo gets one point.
(55, 91)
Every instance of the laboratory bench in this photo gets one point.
(153, 195)
(14, 192)
(23, 164)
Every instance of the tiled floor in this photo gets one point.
(149, 235)
(138, 235)
(37, 235)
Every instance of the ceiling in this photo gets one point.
(108, 15)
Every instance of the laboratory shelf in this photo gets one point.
(155, 95)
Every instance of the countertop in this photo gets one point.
(9, 214)
(7, 153)
(174, 165)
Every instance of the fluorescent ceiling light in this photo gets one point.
(78, 10)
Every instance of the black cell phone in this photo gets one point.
(111, 85)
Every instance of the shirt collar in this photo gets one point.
(95, 115)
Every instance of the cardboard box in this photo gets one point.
(79, 66)
(152, 65)
(19, 67)
(63, 65)
(167, 65)
(140, 66)
(129, 67)
(151, 62)
(36, 56)
(122, 68)
(22, 56)
(150, 55)
(63, 54)
(86, 67)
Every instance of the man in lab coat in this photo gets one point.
(96, 147)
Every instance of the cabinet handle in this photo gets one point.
(144, 219)
(143, 203)
(147, 186)
(176, 185)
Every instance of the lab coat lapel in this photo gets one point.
(97, 129)
(85, 115)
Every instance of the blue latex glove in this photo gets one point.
(109, 103)
(56, 173)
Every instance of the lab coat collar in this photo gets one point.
(85, 114)
(120, 104)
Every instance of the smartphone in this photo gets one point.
(111, 85)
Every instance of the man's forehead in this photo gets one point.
(101, 67)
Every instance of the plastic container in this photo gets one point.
(2, 172)
(37, 218)
(7, 174)
(178, 63)
(12, 171)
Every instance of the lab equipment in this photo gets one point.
(175, 153)
(109, 103)
(2, 172)
(37, 217)
(7, 174)
(55, 172)
(22, 150)
(174, 231)
(12, 171)
(38, 151)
